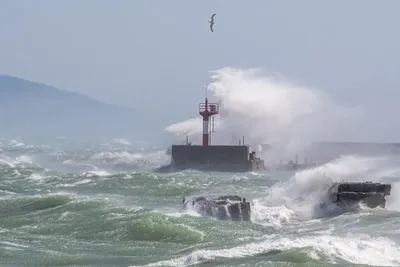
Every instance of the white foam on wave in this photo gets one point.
(80, 165)
(120, 141)
(154, 158)
(95, 173)
(15, 143)
(4, 160)
(117, 157)
(24, 159)
(6, 245)
(357, 249)
(298, 197)
(77, 183)
(189, 210)
(37, 177)
(276, 216)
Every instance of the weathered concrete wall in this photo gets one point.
(210, 154)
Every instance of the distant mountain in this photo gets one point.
(30, 109)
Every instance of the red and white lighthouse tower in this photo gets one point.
(207, 110)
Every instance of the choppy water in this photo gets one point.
(101, 205)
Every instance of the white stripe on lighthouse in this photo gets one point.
(205, 127)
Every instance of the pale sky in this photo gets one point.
(155, 55)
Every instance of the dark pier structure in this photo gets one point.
(349, 194)
(346, 195)
(233, 208)
(207, 157)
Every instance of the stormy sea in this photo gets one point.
(103, 205)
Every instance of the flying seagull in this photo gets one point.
(212, 22)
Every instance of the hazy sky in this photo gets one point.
(156, 54)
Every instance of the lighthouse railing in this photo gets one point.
(212, 107)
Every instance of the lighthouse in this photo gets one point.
(207, 110)
(216, 157)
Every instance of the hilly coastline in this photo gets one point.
(29, 109)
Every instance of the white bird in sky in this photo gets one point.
(212, 22)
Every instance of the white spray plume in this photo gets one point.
(267, 111)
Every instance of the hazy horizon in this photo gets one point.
(157, 56)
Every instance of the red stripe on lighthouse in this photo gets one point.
(205, 131)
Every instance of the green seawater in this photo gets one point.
(101, 206)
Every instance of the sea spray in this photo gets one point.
(306, 189)
(268, 110)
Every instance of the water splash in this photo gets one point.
(265, 109)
